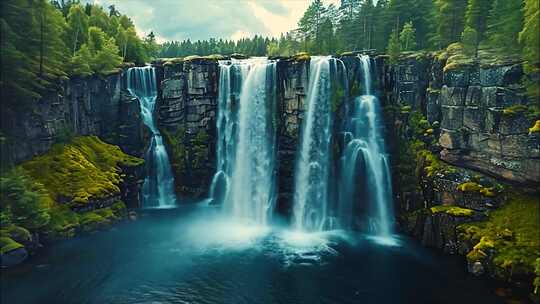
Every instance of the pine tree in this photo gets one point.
(476, 16)
(469, 38)
(80, 62)
(393, 49)
(504, 24)
(450, 18)
(407, 37)
(529, 37)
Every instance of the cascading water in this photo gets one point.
(158, 189)
(313, 161)
(365, 161)
(244, 180)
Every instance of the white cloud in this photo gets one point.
(203, 19)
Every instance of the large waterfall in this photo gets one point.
(313, 161)
(158, 189)
(365, 173)
(245, 178)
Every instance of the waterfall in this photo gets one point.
(313, 160)
(245, 177)
(158, 189)
(365, 162)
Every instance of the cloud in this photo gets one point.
(203, 19)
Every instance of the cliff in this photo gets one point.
(81, 106)
(466, 159)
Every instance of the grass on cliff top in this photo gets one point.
(456, 57)
(85, 168)
(512, 232)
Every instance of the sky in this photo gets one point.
(203, 19)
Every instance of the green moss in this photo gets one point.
(456, 57)
(87, 168)
(475, 187)
(469, 187)
(535, 128)
(63, 224)
(92, 221)
(453, 210)
(16, 233)
(515, 110)
(302, 56)
(405, 109)
(432, 164)
(119, 209)
(512, 232)
(476, 255)
(7, 244)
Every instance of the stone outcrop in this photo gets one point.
(88, 106)
(186, 114)
(475, 106)
(293, 81)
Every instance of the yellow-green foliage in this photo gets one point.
(512, 232)
(475, 187)
(456, 57)
(7, 244)
(87, 168)
(432, 164)
(405, 109)
(452, 210)
(16, 232)
(476, 255)
(536, 282)
(302, 56)
(515, 110)
(535, 128)
(63, 222)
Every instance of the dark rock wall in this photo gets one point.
(186, 115)
(90, 106)
(469, 103)
(293, 81)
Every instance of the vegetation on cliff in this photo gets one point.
(39, 194)
(511, 235)
(87, 168)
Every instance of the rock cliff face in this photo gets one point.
(293, 81)
(464, 158)
(186, 115)
(482, 113)
(89, 106)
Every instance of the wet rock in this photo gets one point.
(13, 257)
(476, 268)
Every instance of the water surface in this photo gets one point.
(193, 255)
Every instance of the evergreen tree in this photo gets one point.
(530, 39)
(450, 18)
(310, 24)
(80, 62)
(393, 49)
(469, 38)
(407, 37)
(476, 16)
(503, 25)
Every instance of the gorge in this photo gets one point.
(291, 156)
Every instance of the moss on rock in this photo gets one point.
(512, 233)
(7, 244)
(302, 56)
(453, 210)
(535, 128)
(87, 168)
